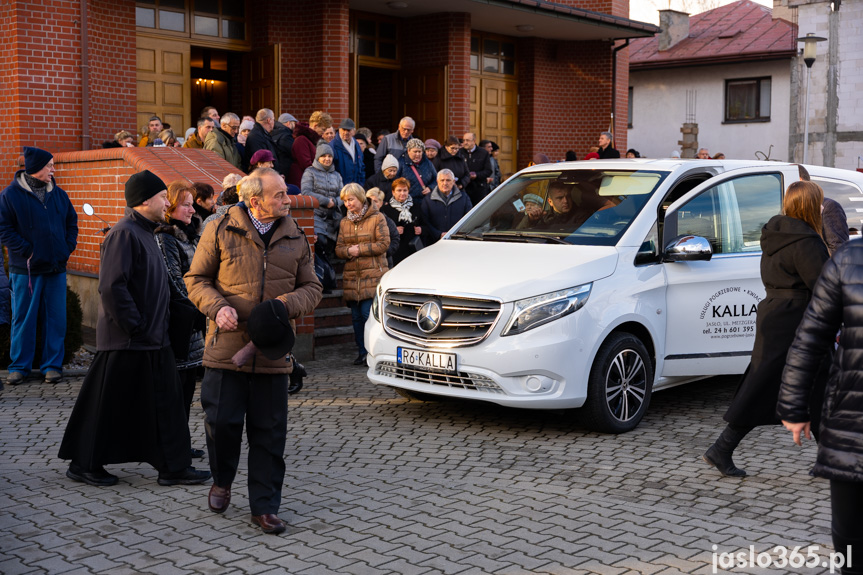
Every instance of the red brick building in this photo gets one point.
(533, 75)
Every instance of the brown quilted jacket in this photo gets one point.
(362, 274)
(231, 267)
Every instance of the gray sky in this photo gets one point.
(648, 10)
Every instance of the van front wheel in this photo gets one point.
(620, 385)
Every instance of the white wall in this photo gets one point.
(844, 51)
(659, 110)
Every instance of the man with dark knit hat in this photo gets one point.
(39, 227)
(130, 407)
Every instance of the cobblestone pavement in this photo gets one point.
(378, 484)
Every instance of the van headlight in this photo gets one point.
(376, 305)
(538, 310)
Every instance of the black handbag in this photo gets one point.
(416, 243)
(183, 317)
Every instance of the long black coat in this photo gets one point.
(133, 286)
(177, 242)
(457, 164)
(130, 406)
(837, 300)
(792, 258)
(260, 139)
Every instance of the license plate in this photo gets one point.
(427, 359)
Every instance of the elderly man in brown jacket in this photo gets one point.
(253, 253)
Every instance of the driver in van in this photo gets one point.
(569, 211)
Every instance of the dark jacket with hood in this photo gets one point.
(455, 163)
(259, 139)
(133, 285)
(302, 152)
(177, 241)
(46, 233)
(283, 141)
(792, 257)
(440, 213)
(836, 301)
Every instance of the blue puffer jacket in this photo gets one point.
(426, 171)
(351, 169)
(48, 233)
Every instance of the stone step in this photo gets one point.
(334, 336)
(332, 317)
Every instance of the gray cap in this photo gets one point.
(285, 118)
(347, 124)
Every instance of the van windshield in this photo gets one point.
(580, 207)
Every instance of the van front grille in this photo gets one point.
(464, 321)
(459, 380)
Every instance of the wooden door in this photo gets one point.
(163, 83)
(494, 116)
(423, 97)
(261, 80)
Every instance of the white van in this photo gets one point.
(635, 276)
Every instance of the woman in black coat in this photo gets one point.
(793, 254)
(177, 239)
(407, 216)
(449, 159)
(836, 301)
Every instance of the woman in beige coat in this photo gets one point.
(363, 242)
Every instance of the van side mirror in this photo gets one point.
(688, 249)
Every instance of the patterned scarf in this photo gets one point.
(404, 209)
(357, 217)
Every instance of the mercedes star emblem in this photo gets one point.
(429, 316)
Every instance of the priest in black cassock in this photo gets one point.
(130, 407)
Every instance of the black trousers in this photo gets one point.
(846, 499)
(188, 381)
(228, 398)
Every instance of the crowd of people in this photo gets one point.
(190, 279)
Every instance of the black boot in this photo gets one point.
(719, 454)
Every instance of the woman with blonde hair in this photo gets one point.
(793, 253)
(363, 242)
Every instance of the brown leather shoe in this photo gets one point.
(219, 498)
(269, 523)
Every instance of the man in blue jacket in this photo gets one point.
(39, 227)
(348, 155)
(444, 206)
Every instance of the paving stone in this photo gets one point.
(378, 485)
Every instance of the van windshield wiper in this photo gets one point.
(525, 236)
(466, 236)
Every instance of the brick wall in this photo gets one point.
(314, 39)
(42, 82)
(98, 177)
(442, 40)
(112, 55)
(565, 90)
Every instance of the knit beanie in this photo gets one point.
(143, 186)
(389, 162)
(431, 143)
(324, 149)
(35, 159)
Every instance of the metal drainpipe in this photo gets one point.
(614, 80)
(85, 79)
